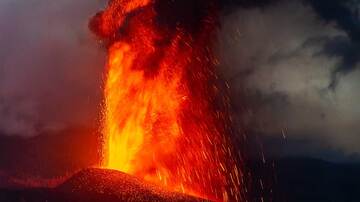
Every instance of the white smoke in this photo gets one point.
(50, 66)
(275, 55)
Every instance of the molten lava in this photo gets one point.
(162, 117)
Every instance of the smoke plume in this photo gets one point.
(50, 68)
(295, 68)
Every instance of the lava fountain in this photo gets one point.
(165, 120)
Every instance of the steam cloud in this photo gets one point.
(293, 67)
(50, 68)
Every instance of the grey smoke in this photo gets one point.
(275, 59)
(50, 66)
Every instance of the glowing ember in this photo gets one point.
(162, 120)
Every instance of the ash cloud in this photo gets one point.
(294, 69)
(50, 66)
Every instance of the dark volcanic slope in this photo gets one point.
(120, 185)
(98, 185)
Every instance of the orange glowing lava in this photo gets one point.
(161, 120)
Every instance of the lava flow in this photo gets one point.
(164, 118)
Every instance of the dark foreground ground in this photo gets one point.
(96, 185)
(305, 180)
(52, 155)
(285, 180)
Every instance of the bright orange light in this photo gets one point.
(160, 123)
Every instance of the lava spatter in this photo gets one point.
(162, 117)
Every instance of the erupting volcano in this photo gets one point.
(165, 119)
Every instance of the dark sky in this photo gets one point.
(293, 68)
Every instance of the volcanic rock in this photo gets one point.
(96, 184)
(119, 185)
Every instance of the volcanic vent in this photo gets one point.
(165, 120)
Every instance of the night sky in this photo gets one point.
(293, 68)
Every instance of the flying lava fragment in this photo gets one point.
(164, 118)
